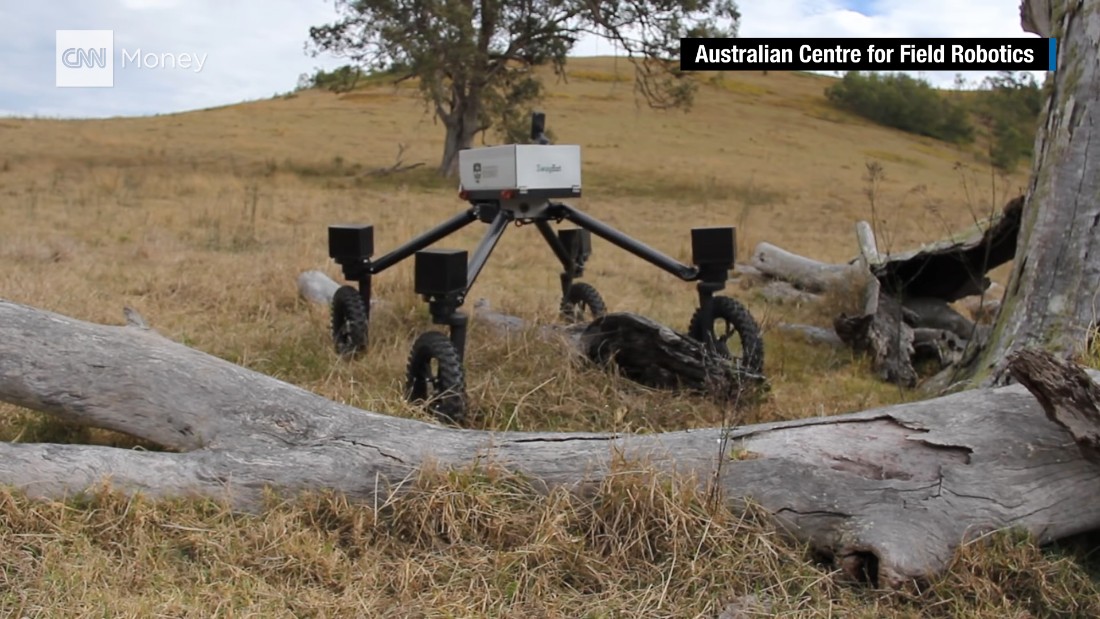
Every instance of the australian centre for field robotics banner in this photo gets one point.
(818, 54)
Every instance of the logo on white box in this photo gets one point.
(85, 59)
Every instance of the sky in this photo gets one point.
(254, 49)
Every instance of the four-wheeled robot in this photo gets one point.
(519, 184)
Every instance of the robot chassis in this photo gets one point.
(517, 184)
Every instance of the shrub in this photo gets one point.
(1009, 105)
(902, 102)
(341, 79)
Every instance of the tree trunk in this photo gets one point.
(462, 124)
(1051, 299)
(890, 491)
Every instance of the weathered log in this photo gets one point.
(948, 270)
(891, 491)
(954, 268)
(317, 287)
(882, 330)
(1068, 397)
(805, 273)
(504, 322)
(868, 246)
(745, 270)
(652, 354)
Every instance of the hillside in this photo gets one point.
(201, 221)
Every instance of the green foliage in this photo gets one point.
(1006, 106)
(342, 79)
(506, 106)
(1009, 105)
(474, 58)
(902, 102)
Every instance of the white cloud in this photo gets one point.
(254, 48)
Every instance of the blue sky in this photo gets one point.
(253, 49)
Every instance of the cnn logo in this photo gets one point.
(85, 59)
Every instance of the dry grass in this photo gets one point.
(202, 221)
(480, 544)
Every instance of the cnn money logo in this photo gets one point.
(86, 59)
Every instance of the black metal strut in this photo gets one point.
(639, 249)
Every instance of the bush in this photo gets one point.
(1009, 105)
(902, 102)
(342, 79)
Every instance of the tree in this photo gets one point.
(1051, 301)
(475, 59)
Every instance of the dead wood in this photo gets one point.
(883, 330)
(937, 346)
(954, 268)
(890, 492)
(1068, 397)
(805, 273)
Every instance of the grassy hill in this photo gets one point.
(201, 221)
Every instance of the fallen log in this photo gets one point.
(652, 354)
(948, 270)
(889, 492)
(317, 287)
(805, 273)
(905, 292)
(954, 268)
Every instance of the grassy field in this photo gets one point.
(202, 221)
